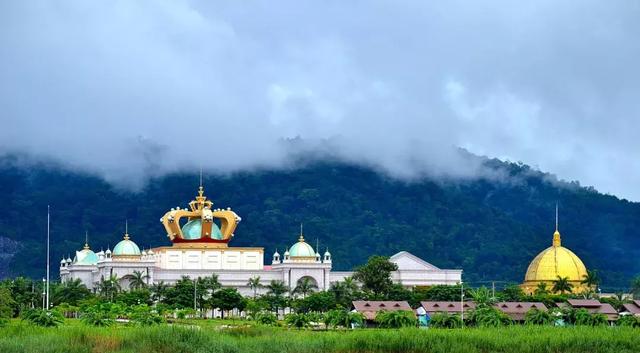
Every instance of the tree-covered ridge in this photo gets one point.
(491, 227)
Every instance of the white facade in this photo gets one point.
(235, 266)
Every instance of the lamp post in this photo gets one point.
(43, 293)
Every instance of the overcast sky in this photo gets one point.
(128, 89)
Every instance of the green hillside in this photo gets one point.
(491, 228)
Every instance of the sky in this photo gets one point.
(134, 89)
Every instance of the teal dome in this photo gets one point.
(86, 256)
(126, 247)
(193, 230)
(302, 249)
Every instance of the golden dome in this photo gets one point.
(553, 262)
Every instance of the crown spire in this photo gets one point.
(556, 234)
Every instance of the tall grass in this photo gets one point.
(77, 338)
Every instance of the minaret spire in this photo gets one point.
(301, 234)
(556, 216)
(126, 229)
(86, 239)
(556, 234)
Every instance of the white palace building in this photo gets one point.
(200, 248)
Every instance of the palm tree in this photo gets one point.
(254, 284)
(591, 279)
(541, 289)
(70, 292)
(562, 285)
(138, 280)
(305, 286)
(109, 287)
(159, 290)
(277, 288)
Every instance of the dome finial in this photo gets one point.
(556, 234)
(126, 229)
(301, 239)
(86, 239)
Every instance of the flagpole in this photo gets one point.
(48, 231)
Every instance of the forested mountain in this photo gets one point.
(490, 227)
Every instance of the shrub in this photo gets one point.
(584, 318)
(538, 317)
(143, 315)
(298, 320)
(101, 314)
(347, 319)
(396, 319)
(266, 318)
(628, 321)
(445, 320)
(489, 317)
(45, 318)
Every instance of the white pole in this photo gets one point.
(462, 302)
(48, 222)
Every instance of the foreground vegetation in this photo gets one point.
(72, 338)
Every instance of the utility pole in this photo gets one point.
(493, 289)
(195, 289)
(48, 222)
(44, 293)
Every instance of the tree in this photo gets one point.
(375, 275)
(305, 286)
(511, 293)
(159, 291)
(143, 315)
(482, 297)
(562, 285)
(6, 305)
(396, 319)
(317, 302)
(541, 289)
(635, 287)
(591, 279)
(345, 291)
(70, 292)
(227, 299)
(254, 284)
(138, 280)
(108, 288)
(275, 295)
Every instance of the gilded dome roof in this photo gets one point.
(192, 230)
(301, 249)
(555, 261)
(126, 247)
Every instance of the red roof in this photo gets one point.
(370, 308)
(432, 307)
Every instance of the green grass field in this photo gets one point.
(73, 337)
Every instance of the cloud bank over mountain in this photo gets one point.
(130, 90)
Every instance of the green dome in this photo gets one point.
(126, 247)
(193, 230)
(86, 256)
(301, 248)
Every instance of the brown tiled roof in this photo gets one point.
(446, 307)
(518, 310)
(593, 306)
(584, 303)
(370, 308)
(633, 308)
